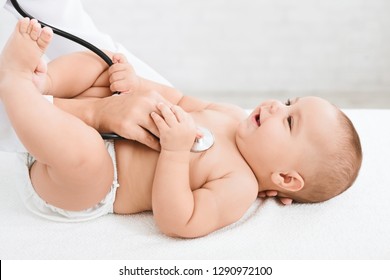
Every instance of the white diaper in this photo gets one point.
(38, 206)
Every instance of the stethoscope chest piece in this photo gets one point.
(204, 143)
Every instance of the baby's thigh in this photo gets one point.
(76, 186)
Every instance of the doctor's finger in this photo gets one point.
(180, 114)
(168, 115)
(145, 137)
(150, 126)
(160, 122)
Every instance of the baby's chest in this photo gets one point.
(219, 161)
(223, 156)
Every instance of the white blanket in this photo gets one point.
(354, 225)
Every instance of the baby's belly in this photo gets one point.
(136, 166)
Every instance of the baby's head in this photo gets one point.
(306, 149)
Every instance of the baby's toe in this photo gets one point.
(35, 31)
(45, 37)
(23, 25)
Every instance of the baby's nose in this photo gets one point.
(275, 106)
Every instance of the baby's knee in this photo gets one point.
(88, 153)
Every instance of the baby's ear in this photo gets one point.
(290, 180)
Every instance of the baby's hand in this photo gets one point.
(283, 200)
(122, 76)
(176, 127)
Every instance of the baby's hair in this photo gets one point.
(337, 169)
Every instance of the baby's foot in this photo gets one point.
(23, 51)
(40, 76)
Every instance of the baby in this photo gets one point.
(304, 150)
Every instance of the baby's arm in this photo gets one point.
(123, 79)
(84, 74)
(127, 115)
(178, 210)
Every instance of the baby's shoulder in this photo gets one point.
(238, 189)
(232, 173)
(232, 110)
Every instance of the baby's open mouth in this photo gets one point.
(257, 119)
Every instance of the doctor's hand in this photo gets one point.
(128, 115)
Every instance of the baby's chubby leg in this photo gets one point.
(73, 169)
(80, 74)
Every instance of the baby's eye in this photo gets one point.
(288, 102)
(289, 120)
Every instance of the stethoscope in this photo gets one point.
(202, 144)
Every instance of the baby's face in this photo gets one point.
(278, 136)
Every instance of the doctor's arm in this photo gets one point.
(127, 115)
